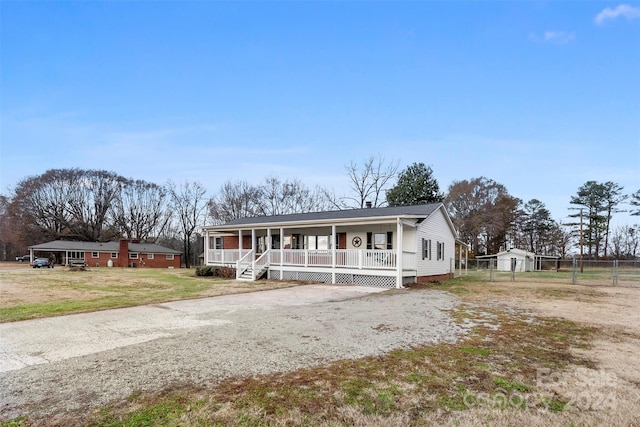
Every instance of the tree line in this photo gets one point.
(98, 205)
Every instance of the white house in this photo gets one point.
(385, 247)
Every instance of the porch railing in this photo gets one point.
(244, 263)
(225, 256)
(376, 259)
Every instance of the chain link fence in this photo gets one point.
(573, 271)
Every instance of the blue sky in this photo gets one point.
(538, 96)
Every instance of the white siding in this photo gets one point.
(435, 228)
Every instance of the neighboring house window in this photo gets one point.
(170, 256)
(114, 254)
(76, 255)
(95, 255)
(150, 256)
(133, 255)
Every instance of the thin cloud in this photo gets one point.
(558, 37)
(554, 37)
(623, 10)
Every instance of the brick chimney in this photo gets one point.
(123, 256)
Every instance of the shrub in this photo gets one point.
(204, 271)
(222, 272)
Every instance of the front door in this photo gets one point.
(342, 240)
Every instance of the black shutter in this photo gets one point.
(389, 239)
(369, 240)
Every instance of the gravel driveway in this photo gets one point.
(82, 361)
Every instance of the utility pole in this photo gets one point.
(581, 251)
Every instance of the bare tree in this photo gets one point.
(235, 200)
(625, 241)
(291, 196)
(188, 203)
(141, 210)
(66, 203)
(369, 181)
(90, 199)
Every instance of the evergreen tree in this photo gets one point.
(416, 185)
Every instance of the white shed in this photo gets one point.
(523, 260)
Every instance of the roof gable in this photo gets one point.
(413, 211)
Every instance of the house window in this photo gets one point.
(426, 248)
(316, 242)
(215, 242)
(170, 257)
(440, 251)
(114, 254)
(133, 255)
(95, 255)
(76, 255)
(275, 241)
(150, 256)
(380, 241)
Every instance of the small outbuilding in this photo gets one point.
(518, 260)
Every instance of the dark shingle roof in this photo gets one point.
(414, 211)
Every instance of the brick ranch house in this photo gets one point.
(384, 247)
(123, 253)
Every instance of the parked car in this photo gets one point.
(42, 262)
(23, 258)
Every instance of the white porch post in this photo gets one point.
(253, 254)
(206, 247)
(269, 244)
(334, 245)
(399, 266)
(281, 249)
(239, 244)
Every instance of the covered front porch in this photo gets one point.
(375, 254)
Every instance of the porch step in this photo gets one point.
(246, 275)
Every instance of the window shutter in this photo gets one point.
(389, 239)
(369, 240)
(429, 247)
(424, 248)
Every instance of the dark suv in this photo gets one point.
(23, 258)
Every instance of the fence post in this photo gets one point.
(574, 271)
(491, 270)
(615, 272)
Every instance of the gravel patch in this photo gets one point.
(248, 335)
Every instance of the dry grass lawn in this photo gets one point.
(586, 337)
(27, 293)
